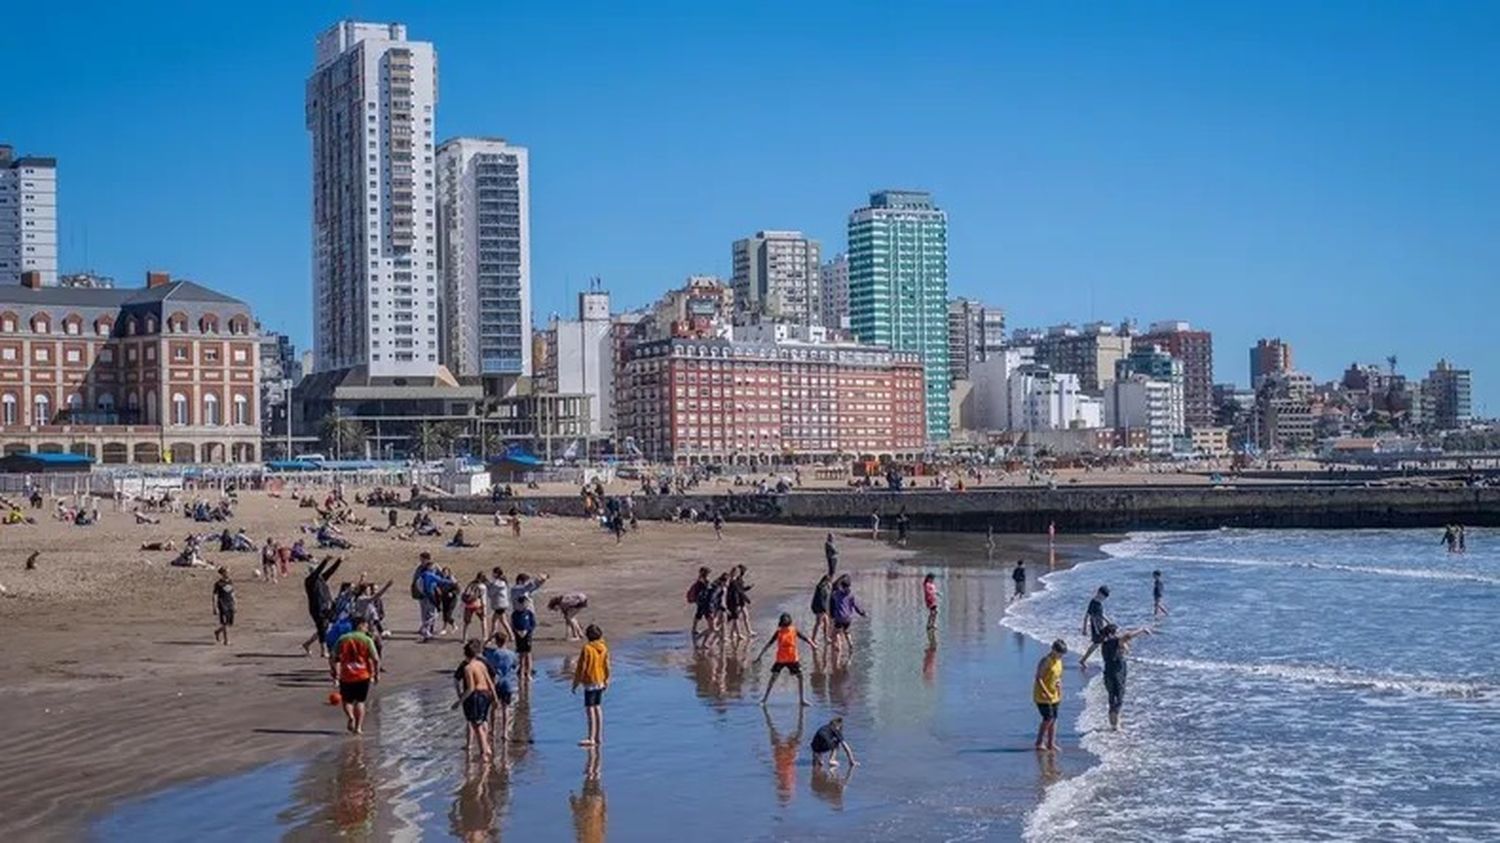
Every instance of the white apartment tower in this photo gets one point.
(777, 274)
(371, 103)
(28, 217)
(484, 236)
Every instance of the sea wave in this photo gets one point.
(1334, 676)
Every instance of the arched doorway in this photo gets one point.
(183, 452)
(83, 449)
(16, 448)
(49, 448)
(211, 452)
(115, 453)
(147, 452)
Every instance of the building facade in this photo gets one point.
(777, 275)
(583, 361)
(719, 400)
(371, 103)
(1269, 357)
(28, 217)
(898, 287)
(1091, 352)
(833, 277)
(1447, 393)
(484, 249)
(166, 372)
(1139, 402)
(1195, 348)
(975, 331)
(1041, 399)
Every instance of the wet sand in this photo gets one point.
(942, 727)
(113, 687)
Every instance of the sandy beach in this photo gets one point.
(113, 685)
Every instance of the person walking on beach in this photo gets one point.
(503, 664)
(1113, 648)
(842, 608)
(497, 595)
(1094, 623)
(355, 665)
(428, 586)
(592, 672)
(473, 602)
(268, 560)
(930, 599)
(828, 740)
(1158, 608)
(903, 524)
(223, 606)
(476, 696)
(320, 601)
(822, 595)
(787, 658)
(875, 525)
(718, 525)
(1046, 692)
(737, 601)
(831, 556)
(1018, 576)
(697, 597)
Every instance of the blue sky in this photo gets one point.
(1327, 173)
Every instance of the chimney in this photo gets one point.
(157, 279)
(31, 278)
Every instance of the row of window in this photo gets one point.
(41, 408)
(177, 323)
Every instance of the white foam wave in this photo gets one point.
(1333, 676)
(1408, 573)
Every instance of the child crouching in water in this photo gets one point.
(828, 741)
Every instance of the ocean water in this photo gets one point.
(942, 728)
(1307, 685)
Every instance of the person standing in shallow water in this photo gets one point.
(1113, 647)
(785, 640)
(1094, 623)
(831, 556)
(1018, 576)
(592, 672)
(355, 664)
(1046, 692)
(1158, 608)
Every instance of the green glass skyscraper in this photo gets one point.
(898, 286)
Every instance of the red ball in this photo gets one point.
(334, 698)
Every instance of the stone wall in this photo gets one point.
(1077, 510)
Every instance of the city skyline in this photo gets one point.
(1360, 190)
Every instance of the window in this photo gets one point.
(150, 324)
(241, 410)
(42, 353)
(75, 405)
(40, 325)
(8, 324)
(102, 327)
(179, 409)
(106, 355)
(73, 355)
(41, 409)
(179, 353)
(241, 356)
(106, 403)
(211, 409)
(73, 326)
(7, 354)
(211, 354)
(151, 408)
(8, 409)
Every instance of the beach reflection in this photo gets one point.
(784, 749)
(587, 803)
(476, 808)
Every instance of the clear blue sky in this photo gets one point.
(1324, 172)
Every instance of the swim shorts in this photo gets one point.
(523, 643)
(477, 707)
(593, 695)
(506, 695)
(1048, 710)
(794, 668)
(842, 626)
(226, 617)
(354, 692)
(1114, 684)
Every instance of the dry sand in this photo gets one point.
(112, 685)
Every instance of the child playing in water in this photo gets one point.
(476, 695)
(523, 623)
(569, 605)
(592, 673)
(1157, 590)
(930, 597)
(1046, 692)
(787, 658)
(829, 740)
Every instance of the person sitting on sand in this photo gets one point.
(143, 518)
(166, 545)
(458, 540)
(299, 552)
(569, 605)
(331, 536)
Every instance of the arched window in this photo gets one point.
(8, 405)
(152, 410)
(73, 325)
(241, 410)
(179, 409)
(130, 326)
(75, 406)
(8, 323)
(102, 327)
(150, 324)
(41, 409)
(40, 324)
(106, 402)
(211, 409)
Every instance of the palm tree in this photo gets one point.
(425, 441)
(341, 435)
(448, 434)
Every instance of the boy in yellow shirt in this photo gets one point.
(1046, 692)
(592, 673)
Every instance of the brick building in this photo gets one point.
(1195, 348)
(714, 400)
(169, 371)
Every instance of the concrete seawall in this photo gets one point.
(1074, 510)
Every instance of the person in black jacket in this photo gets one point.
(320, 602)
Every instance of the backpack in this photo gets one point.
(416, 586)
(695, 591)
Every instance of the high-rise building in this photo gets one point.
(777, 274)
(371, 102)
(975, 331)
(1157, 364)
(1041, 399)
(280, 370)
(584, 362)
(1195, 348)
(484, 249)
(1091, 353)
(1140, 402)
(28, 217)
(1269, 356)
(898, 286)
(1448, 394)
(834, 278)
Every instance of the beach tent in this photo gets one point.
(513, 464)
(45, 463)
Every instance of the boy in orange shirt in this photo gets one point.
(785, 638)
(592, 673)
